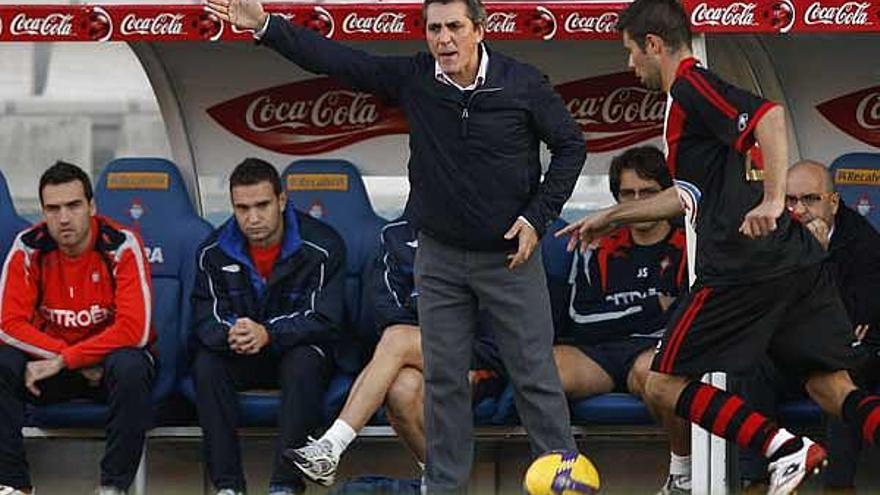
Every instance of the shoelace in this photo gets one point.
(315, 448)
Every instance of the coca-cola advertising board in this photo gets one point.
(308, 117)
(784, 16)
(857, 114)
(321, 115)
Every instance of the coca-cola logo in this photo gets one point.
(741, 14)
(848, 14)
(384, 23)
(578, 23)
(57, 25)
(857, 114)
(614, 110)
(307, 117)
(501, 23)
(164, 24)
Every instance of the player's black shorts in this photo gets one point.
(618, 357)
(798, 319)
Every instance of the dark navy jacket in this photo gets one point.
(300, 303)
(474, 163)
(616, 287)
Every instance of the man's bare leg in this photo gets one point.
(580, 375)
(405, 405)
(829, 390)
(677, 429)
(399, 347)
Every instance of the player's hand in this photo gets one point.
(528, 241)
(247, 337)
(245, 14)
(93, 375)
(861, 331)
(762, 219)
(40, 370)
(587, 230)
(820, 229)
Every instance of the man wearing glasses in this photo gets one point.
(622, 290)
(854, 253)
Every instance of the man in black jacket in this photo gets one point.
(479, 203)
(267, 305)
(854, 253)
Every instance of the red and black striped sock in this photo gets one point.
(726, 415)
(862, 409)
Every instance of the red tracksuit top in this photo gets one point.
(82, 308)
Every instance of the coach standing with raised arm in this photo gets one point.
(477, 198)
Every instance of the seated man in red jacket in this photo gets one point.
(75, 322)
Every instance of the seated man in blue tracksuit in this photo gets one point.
(267, 308)
(623, 289)
(394, 374)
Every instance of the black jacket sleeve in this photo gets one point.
(212, 315)
(858, 270)
(383, 76)
(322, 321)
(393, 286)
(556, 127)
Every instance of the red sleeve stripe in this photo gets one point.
(704, 88)
(743, 142)
(18, 246)
(675, 124)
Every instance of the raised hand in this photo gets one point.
(245, 14)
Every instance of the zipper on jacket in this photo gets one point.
(467, 105)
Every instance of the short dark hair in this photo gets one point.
(62, 173)
(476, 12)
(253, 171)
(664, 18)
(646, 161)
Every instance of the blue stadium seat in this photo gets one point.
(10, 223)
(149, 196)
(857, 179)
(332, 191)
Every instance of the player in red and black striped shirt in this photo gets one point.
(762, 286)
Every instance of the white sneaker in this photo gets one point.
(8, 490)
(109, 490)
(676, 484)
(787, 472)
(229, 491)
(316, 460)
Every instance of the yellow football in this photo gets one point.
(561, 472)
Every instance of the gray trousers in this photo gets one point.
(453, 284)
